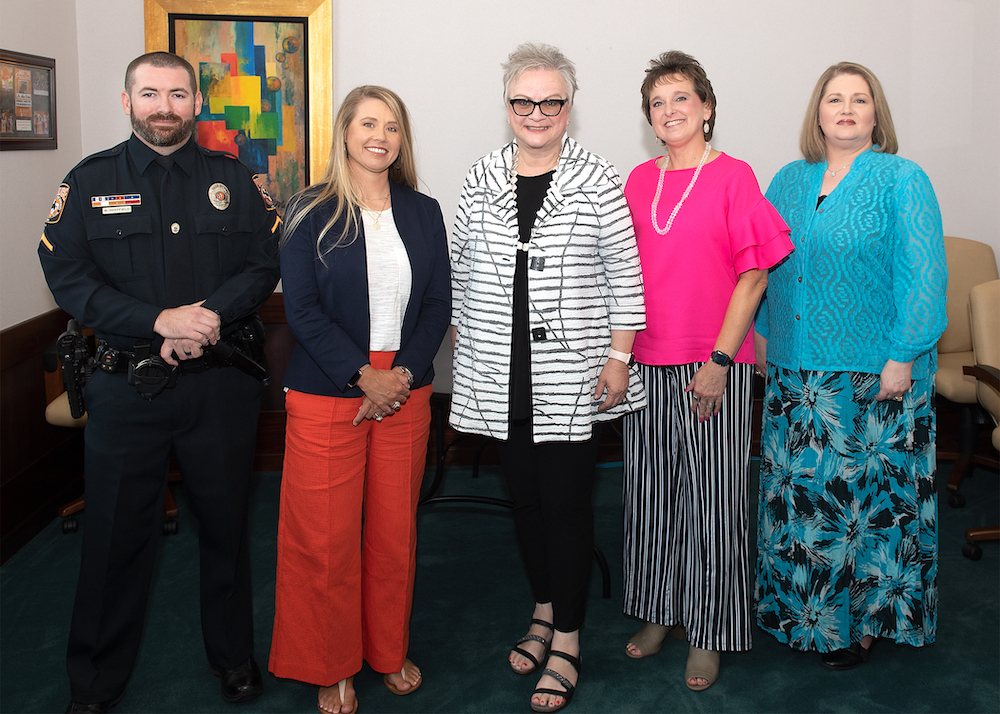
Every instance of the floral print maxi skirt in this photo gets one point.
(847, 528)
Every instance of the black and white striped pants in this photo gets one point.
(686, 509)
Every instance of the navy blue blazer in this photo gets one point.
(326, 301)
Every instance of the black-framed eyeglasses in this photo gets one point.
(548, 107)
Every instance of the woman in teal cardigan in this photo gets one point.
(847, 530)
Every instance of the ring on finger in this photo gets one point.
(898, 398)
(396, 405)
(378, 417)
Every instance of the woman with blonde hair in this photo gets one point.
(366, 290)
(847, 533)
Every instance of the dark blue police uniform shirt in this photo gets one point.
(124, 240)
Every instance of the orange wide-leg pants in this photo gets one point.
(347, 535)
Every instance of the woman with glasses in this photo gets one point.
(547, 298)
(706, 238)
(364, 264)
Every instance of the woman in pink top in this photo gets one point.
(707, 238)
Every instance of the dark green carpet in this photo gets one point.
(472, 602)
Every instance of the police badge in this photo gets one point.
(218, 194)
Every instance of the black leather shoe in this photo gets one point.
(849, 657)
(240, 684)
(96, 708)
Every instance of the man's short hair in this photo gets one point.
(160, 59)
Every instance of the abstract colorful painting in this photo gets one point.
(253, 77)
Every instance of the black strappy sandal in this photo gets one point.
(532, 638)
(570, 688)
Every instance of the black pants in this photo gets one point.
(552, 486)
(209, 421)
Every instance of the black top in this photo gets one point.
(531, 192)
(126, 238)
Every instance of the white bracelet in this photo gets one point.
(625, 357)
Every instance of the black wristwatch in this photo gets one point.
(721, 358)
(353, 381)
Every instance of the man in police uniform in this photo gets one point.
(162, 247)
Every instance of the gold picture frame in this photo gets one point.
(320, 15)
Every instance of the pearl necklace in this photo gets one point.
(659, 188)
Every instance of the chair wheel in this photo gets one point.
(170, 526)
(972, 551)
(956, 500)
(70, 525)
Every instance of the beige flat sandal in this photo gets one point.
(402, 673)
(342, 686)
(701, 664)
(650, 639)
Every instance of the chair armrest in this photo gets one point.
(984, 373)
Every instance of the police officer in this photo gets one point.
(162, 247)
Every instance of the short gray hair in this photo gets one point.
(534, 55)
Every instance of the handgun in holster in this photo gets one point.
(77, 366)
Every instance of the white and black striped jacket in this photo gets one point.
(589, 283)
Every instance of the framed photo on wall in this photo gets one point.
(257, 74)
(27, 101)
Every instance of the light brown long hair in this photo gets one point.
(337, 183)
(812, 143)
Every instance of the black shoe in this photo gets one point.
(95, 708)
(848, 658)
(240, 684)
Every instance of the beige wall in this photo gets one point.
(28, 179)
(939, 61)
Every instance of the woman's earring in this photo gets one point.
(705, 128)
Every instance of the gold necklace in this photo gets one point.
(377, 216)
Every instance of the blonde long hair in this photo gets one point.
(337, 183)
(812, 143)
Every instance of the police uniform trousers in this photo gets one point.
(209, 421)
(347, 535)
(686, 490)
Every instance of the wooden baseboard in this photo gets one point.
(41, 466)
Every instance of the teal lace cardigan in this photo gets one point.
(866, 282)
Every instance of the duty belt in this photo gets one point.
(112, 360)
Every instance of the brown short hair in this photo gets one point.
(160, 59)
(674, 63)
(812, 141)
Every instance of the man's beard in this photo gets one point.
(157, 137)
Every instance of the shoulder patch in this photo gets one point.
(58, 204)
(268, 201)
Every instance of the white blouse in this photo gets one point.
(389, 280)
